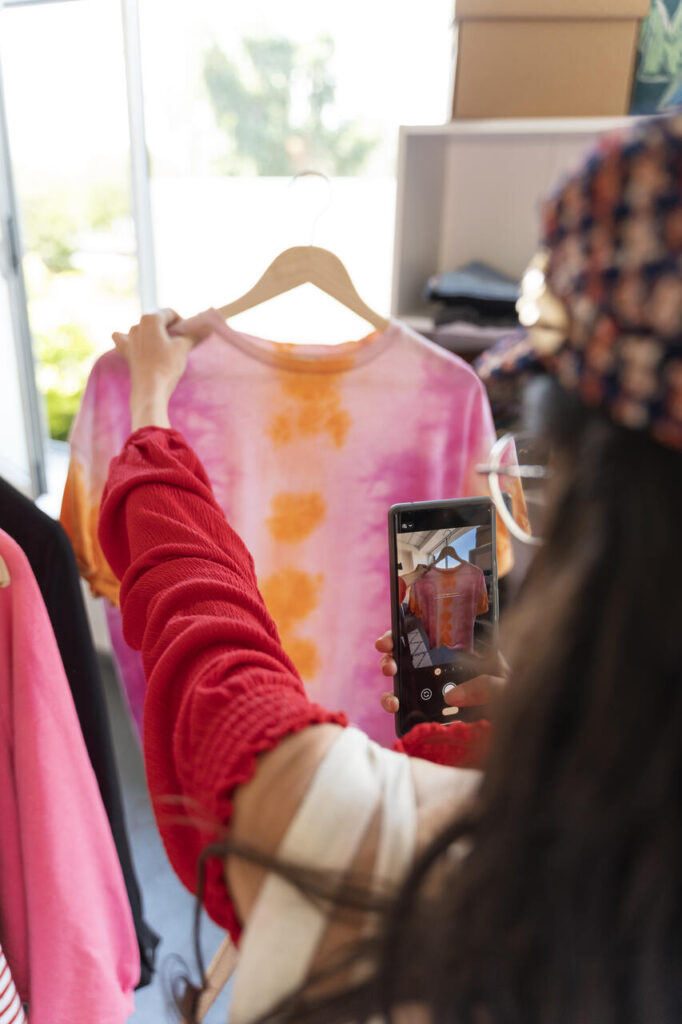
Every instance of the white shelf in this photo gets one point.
(472, 190)
(520, 126)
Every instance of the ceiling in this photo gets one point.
(426, 543)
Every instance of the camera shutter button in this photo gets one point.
(449, 711)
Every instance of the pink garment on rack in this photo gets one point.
(305, 453)
(447, 601)
(65, 919)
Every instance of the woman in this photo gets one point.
(550, 888)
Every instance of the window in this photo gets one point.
(68, 132)
(241, 97)
(238, 99)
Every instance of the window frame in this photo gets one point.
(12, 270)
(33, 412)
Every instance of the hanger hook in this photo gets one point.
(320, 213)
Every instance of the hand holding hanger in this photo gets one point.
(157, 362)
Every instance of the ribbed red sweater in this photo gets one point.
(220, 687)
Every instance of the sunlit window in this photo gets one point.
(239, 98)
(68, 130)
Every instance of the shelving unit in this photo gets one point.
(473, 190)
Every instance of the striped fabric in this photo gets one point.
(11, 1010)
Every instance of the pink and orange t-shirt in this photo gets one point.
(306, 448)
(447, 601)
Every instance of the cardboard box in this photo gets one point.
(545, 58)
(566, 10)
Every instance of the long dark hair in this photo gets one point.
(564, 901)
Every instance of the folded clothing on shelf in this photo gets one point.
(475, 293)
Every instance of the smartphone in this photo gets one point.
(444, 603)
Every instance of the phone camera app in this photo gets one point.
(445, 607)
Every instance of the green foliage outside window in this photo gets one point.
(52, 221)
(276, 108)
(58, 226)
(64, 360)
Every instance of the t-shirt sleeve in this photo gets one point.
(221, 689)
(98, 433)
(459, 745)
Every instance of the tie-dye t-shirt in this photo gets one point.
(447, 601)
(306, 448)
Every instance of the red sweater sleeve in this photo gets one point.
(460, 745)
(220, 688)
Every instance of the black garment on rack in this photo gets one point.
(52, 560)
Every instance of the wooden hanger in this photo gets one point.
(448, 552)
(306, 264)
(5, 578)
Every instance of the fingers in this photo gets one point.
(186, 340)
(150, 339)
(390, 703)
(385, 647)
(169, 317)
(385, 643)
(474, 692)
(481, 690)
(504, 668)
(388, 666)
(122, 343)
(164, 318)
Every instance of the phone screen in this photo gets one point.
(445, 604)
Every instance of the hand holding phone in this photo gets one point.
(481, 691)
(445, 607)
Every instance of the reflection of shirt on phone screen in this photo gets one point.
(447, 602)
